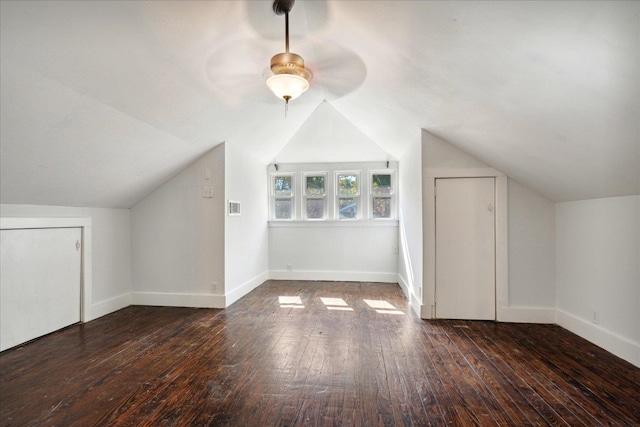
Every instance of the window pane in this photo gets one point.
(315, 208)
(283, 208)
(348, 208)
(347, 185)
(315, 186)
(282, 186)
(381, 207)
(381, 184)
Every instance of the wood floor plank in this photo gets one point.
(497, 388)
(542, 381)
(546, 378)
(335, 358)
(600, 386)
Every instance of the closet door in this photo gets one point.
(465, 248)
(40, 279)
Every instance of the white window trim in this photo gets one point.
(360, 213)
(334, 224)
(273, 197)
(298, 173)
(306, 197)
(392, 196)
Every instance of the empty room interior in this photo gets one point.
(358, 213)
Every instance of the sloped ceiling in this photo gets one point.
(103, 101)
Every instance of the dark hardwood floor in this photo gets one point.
(271, 361)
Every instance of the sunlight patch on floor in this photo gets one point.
(389, 311)
(382, 306)
(334, 302)
(379, 304)
(290, 302)
(339, 308)
(337, 304)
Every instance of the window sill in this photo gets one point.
(333, 223)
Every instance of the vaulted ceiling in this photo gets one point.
(101, 102)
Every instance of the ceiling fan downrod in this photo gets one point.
(286, 32)
(290, 77)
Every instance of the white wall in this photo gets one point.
(111, 250)
(246, 236)
(329, 137)
(410, 224)
(525, 289)
(598, 273)
(532, 249)
(334, 252)
(178, 238)
(442, 160)
(437, 155)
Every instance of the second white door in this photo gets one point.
(40, 286)
(465, 248)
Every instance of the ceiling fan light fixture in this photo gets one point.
(287, 86)
(289, 63)
(290, 78)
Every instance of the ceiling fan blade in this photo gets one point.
(235, 71)
(335, 69)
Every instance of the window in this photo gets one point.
(381, 195)
(283, 200)
(315, 196)
(348, 194)
(322, 193)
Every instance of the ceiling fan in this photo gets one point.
(289, 78)
(237, 72)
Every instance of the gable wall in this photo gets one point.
(343, 250)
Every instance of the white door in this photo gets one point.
(39, 282)
(465, 248)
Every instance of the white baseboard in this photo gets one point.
(527, 315)
(178, 300)
(103, 308)
(247, 287)
(336, 276)
(613, 343)
(404, 286)
(427, 312)
(416, 305)
(414, 301)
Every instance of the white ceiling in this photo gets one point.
(103, 101)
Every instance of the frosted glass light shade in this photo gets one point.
(287, 85)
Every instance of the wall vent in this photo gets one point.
(234, 208)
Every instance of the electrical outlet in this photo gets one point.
(395, 249)
(207, 192)
(595, 316)
(289, 267)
